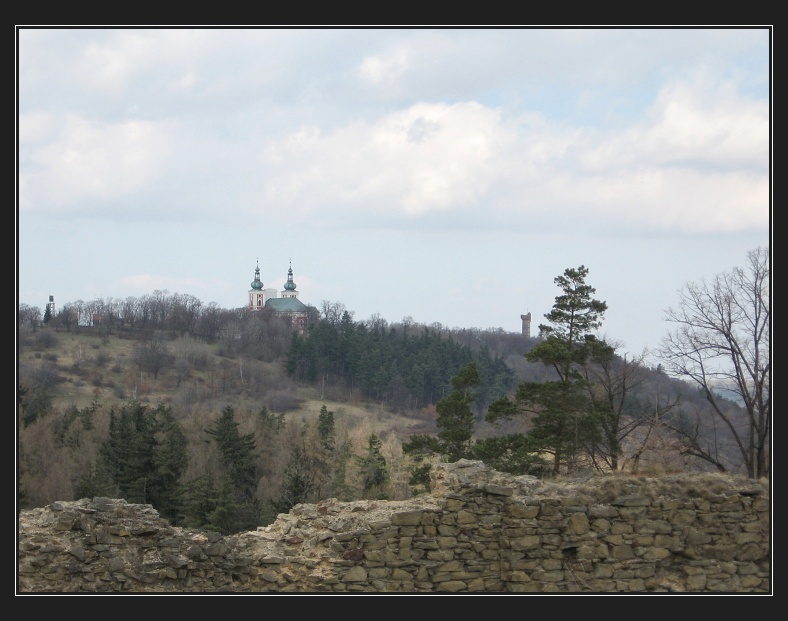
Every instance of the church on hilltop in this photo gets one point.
(289, 307)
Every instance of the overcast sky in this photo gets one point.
(447, 175)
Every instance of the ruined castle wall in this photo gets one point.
(479, 531)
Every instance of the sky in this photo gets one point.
(442, 175)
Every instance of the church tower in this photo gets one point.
(290, 287)
(256, 293)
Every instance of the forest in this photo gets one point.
(222, 419)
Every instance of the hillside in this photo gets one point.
(62, 375)
(378, 384)
(77, 368)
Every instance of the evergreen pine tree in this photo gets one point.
(145, 455)
(455, 421)
(325, 427)
(225, 513)
(171, 462)
(455, 416)
(374, 471)
(238, 505)
(298, 484)
(564, 418)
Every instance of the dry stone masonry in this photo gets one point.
(480, 531)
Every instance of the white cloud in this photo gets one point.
(680, 168)
(697, 159)
(710, 124)
(111, 65)
(427, 157)
(35, 127)
(694, 123)
(384, 69)
(673, 199)
(88, 160)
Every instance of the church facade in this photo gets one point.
(288, 306)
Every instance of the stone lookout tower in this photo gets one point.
(526, 325)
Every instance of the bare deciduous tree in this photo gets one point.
(28, 317)
(152, 355)
(332, 311)
(722, 344)
(617, 387)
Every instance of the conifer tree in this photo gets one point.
(374, 471)
(237, 499)
(325, 427)
(455, 416)
(226, 512)
(563, 415)
(171, 461)
(200, 500)
(339, 485)
(455, 420)
(93, 481)
(145, 456)
(298, 484)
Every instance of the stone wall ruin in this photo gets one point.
(479, 531)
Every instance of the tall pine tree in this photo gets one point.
(145, 455)
(455, 422)
(236, 501)
(374, 471)
(563, 416)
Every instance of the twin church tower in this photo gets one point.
(288, 306)
(295, 311)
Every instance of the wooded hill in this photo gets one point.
(231, 410)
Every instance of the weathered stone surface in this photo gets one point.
(479, 531)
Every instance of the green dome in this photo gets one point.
(290, 285)
(257, 283)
